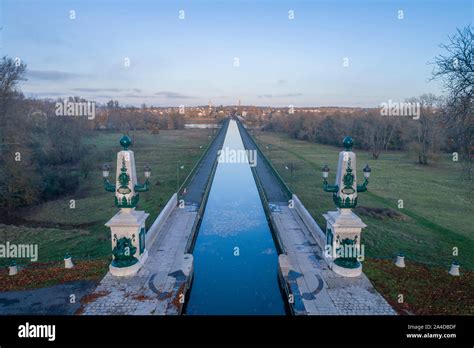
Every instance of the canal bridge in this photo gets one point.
(227, 244)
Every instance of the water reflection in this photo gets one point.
(235, 260)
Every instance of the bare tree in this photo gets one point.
(378, 132)
(427, 130)
(10, 74)
(456, 70)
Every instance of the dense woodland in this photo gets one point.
(42, 156)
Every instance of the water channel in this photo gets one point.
(235, 259)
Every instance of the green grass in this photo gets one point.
(58, 229)
(437, 213)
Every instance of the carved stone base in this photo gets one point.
(130, 270)
(346, 272)
(128, 223)
(341, 225)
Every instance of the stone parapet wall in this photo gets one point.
(308, 220)
(160, 220)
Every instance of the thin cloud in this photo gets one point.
(280, 95)
(45, 94)
(137, 96)
(51, 75)
(96, 90)
(173, 95)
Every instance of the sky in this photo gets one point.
(143, 52)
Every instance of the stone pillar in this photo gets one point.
(454, 269)
(129, 251)
(68, 261)
(343, 248)
(400, 261)
(12, 269)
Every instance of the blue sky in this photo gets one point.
(191, 61)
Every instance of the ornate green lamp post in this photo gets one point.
(343, 228)
(128, 225)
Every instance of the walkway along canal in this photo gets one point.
(235, 258)
(162, 283)
(311, 287)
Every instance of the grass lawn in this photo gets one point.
(58, 229)
(437, 210)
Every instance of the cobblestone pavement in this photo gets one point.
(160, 285)
(320, 289)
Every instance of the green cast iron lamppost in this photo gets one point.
(128, 225)
(343, 228)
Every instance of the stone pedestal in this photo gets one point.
(12, 269)
(68, 262)
(400, 261)
(127, 229)
(343, 249)
(454, 269)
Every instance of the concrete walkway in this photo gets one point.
(53, 300)
(160, 286)
(196, 188)
(313, 284)
(312, 288)
(271, 186)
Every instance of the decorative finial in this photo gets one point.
(348, 143)
(125, 142)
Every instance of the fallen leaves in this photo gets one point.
(426, 290)
(38, 275)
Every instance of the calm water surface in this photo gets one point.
(235, 259)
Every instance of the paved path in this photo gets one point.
(271, 186)
(160, 286)
(197, 187)
(320, 290)
(315, 288)
(54, 300)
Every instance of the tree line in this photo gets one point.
(43, 156)
(443, 124)
(424, 136)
